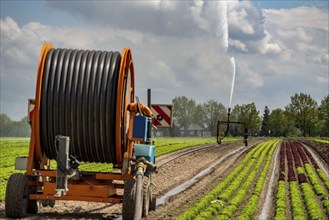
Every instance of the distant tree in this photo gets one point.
(212, 113)
(5, 125)
(234, 129)
(23, 128)
(174, 130)
(198, 116)
(248, 113)
(10, 128)
(324, 116)
(303, 109)
(184, 111)
(278, 123)
(264, 128)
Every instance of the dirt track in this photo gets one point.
(170, 175)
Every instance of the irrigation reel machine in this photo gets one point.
(84, 111)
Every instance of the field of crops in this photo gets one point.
(301, 177)
(11, 148)
(297, 169)
(302, 187)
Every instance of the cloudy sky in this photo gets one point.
(180, 48)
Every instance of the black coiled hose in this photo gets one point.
(78, 99)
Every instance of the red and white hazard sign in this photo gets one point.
(162, 115)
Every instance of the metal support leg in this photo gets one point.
(62, 144)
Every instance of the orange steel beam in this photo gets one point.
(87, 181)
(112, 199)
(125, 95)
(87, 189)
(35, 149)
(98, 176)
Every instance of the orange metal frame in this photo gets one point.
(125, 96)
(93, 187)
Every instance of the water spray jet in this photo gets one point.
(233, 80)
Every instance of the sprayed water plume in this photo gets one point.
(223, 28)
(222, 9)
(233, 80)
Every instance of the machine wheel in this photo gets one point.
(128, 203)
(147, 196)
(17, 204)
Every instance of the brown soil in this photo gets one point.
(170, 175)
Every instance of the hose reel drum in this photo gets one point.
(84, 95)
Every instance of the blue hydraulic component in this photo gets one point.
(140, 127)
(146, 151)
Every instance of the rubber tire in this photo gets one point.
(128, 203)
(147, 196)
(17, 204)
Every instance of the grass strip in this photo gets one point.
(165, 145)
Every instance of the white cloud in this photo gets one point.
(301, 17)
(171, 18)
(268, 46)
(245, 21)
(9, 26)
(176, 47)
(196, 11)
(323, 79)
(238, 45)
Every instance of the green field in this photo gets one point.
(11, 148)
(166, 145)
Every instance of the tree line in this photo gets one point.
(10, 128)
(301, 117)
